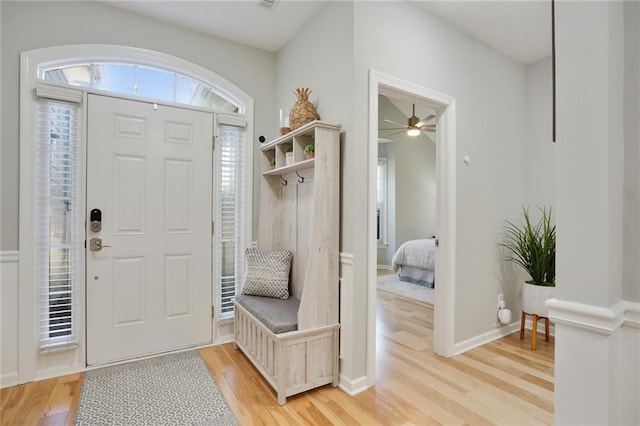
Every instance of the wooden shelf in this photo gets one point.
(307, 129)
(301, 165)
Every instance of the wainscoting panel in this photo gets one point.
(9, 318)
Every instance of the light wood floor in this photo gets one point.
(500, 383)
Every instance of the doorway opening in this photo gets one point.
(444, 107)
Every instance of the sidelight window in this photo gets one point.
(58, 212)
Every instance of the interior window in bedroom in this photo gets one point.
(381, 207)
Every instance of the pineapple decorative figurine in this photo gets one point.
(303, 111)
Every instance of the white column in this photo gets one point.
(588, 311)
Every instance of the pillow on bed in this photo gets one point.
(267, 273)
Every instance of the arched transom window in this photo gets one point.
(143, 81)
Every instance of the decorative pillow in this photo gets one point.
(267, 273)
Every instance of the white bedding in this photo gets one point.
(418, 253)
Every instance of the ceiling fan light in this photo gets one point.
(413, 132)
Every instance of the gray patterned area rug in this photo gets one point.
(175, 389)
(392, 284)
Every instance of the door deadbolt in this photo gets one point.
(95, 244)
(95, 218)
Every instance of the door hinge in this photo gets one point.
(213, 142)
(213, 227)
(437, 242)
(213, 311)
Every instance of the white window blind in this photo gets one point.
(229, 217)
(57, 197)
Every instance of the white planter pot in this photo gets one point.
(289, 158)
(533, 298)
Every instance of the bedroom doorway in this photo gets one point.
(443, 107)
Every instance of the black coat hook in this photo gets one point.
(300, 178)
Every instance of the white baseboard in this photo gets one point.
(385, 267)
(50, 373)
(9, 379)
(223, 340)
(483, 339)
(353, 387)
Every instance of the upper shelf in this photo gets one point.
(302, 165)
(307, 129)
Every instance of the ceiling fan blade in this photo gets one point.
(428, 126)
(393, 128)
(396, 133)
(396, 123)
(424, 120)
(432, 130)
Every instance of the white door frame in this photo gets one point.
(444, 312)
(33, 365)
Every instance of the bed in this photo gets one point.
(415, 261)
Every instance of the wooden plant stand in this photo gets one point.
(534, 328)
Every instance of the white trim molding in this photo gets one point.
(9, 256)
(346, 294)
(445, 105)
(484, 338)
(631, 314)
(346, 259)
(594, 319)
(353, 387)
(9, 318)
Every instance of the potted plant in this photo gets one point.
(310, 151)
(289, 155)
(273, 162)
(533, 247)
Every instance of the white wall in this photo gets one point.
(30, 25)
(490, 93)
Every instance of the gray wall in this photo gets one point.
(320, 57)
(490, 92)
(540, 149)
(32, 25)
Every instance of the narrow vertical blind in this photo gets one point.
(57, 201)
(229, 216)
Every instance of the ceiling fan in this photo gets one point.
(414, 125)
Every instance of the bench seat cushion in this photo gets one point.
(279, 316)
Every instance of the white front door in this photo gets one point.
(149, 174)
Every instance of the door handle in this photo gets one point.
(95, 244)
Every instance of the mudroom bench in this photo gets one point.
(290, 360)
(286, 319)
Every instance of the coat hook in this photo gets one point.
(283, 181)
(300, 178)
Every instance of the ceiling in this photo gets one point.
(520, 29)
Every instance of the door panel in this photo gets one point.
(149, 172)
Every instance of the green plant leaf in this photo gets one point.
(532, 246)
